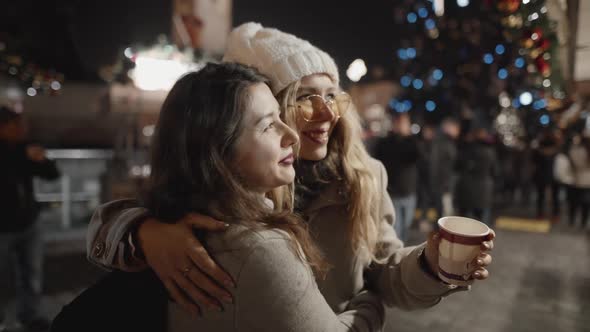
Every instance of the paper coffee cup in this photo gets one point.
(460, 243)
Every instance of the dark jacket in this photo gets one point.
(400, 156)
(476, 169)
(17, 199)
(118, 302)
(442, 163)
(543, 159)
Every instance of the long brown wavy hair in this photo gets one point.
(348, 160)
(192, 168)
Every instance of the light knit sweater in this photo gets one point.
(276, 291)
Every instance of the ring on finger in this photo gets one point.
(186, 270)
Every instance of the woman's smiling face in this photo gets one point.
(315, 135)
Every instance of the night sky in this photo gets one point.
(76, 36)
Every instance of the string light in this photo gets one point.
(539, 104)
(407, 105)
(429, 24)
(437, 74)
(415, 129)
(430, 106)
(526, 98)
(128, 53)
(423, 12)
(515, 103)
(402, 54)
(55, 85)
(504, 100)
(418, 84)
(405, 81)
(463, 3)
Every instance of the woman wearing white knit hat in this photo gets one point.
(340, 190)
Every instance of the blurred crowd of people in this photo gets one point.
(461, 167)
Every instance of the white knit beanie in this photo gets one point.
(280, 56)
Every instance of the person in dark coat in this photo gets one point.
(399, 153)
(476, 168)
(424, 190)
(442, 163)
(20, 238)
(545, 149)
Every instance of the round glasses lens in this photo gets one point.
(313, 107)
(341, 103)
(305, 107)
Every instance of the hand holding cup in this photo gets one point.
(458, 252)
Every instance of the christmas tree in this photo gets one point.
(492, 63)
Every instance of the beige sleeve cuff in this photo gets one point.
(421, 283)
(107, 236)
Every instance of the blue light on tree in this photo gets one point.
(405, 81)
(544, 119)
(400, 106)
(402, 54)
(500, 49)
(519, 62)
(488, 58)
(411, 52)
(429, 24)
(430, 106)
(412, 17)
(393, 104)
(418, 84)
(407, 105)
(540, 104)
(502, 74)
(437, 74)
(515, 103)
(422, 12)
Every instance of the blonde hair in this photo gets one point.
(348, 159)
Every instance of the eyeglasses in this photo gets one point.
(312, 107)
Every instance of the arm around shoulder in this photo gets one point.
(107, 242)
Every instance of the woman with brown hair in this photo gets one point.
(220, 147)
(340, 191)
